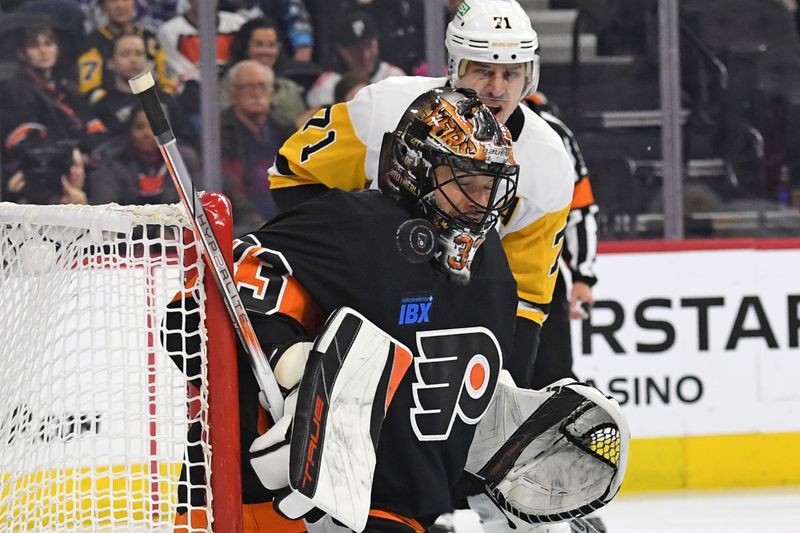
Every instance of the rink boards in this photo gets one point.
(698, 341)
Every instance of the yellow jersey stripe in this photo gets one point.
(327, 151)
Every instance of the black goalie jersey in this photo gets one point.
(340, 250)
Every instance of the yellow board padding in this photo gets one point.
(85, 497)
(92, 497)
(713, 462)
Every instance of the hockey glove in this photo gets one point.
(550, 455)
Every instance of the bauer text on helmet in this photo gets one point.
(497, 36)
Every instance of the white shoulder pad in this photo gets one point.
(546, 175)
(377, 108)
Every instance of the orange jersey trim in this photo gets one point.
(95, 126)
(408, 522)
(582, 195)
(299, 305)
(22, 131)
(294, 300)
(194, 520)
(150, 185)
(263, 423)
(262, 518)
(537, 98)
(402, 360)
(256, 518)
(189, 47)
(187, 289)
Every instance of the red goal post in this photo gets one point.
(94, 412)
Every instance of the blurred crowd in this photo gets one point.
(73, 132)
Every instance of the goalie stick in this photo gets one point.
(143, 86)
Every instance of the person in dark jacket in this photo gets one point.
(115, 103)
(98, 47)
(38, 105)
(294, 20)
(260, 39)
(250, 140)
(43, 123)
(132, 171)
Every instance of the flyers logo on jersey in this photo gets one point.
(456, 374)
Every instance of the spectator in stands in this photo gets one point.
(794, 9)
(43, 120)
(151, 14)
(132, 171)
(401, 29)
(294, 21)
(181, 41)
(250, 141)
(115, 104)
(347, 87)
(259, 39)
(67, 19)
(99, 45)
(154, 13)
(357, 44)
(38, 184)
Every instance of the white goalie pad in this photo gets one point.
(552, 454)
(349, 381)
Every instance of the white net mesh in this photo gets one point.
(93, 411)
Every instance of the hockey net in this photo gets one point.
(95, 414)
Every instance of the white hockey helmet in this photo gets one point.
(492, 31)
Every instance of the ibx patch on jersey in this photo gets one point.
(415, 309)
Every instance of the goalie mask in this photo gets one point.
(449, 161)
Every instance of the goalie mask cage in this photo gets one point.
(95, 414)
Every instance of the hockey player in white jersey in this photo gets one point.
(492, 48)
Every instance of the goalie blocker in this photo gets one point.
(550, 455)
(350, 378)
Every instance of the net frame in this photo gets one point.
(220, 431)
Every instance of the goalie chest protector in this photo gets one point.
(341, 247)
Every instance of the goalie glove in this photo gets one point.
(347, 385)
(550, 455)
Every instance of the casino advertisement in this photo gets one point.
(694, 342)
